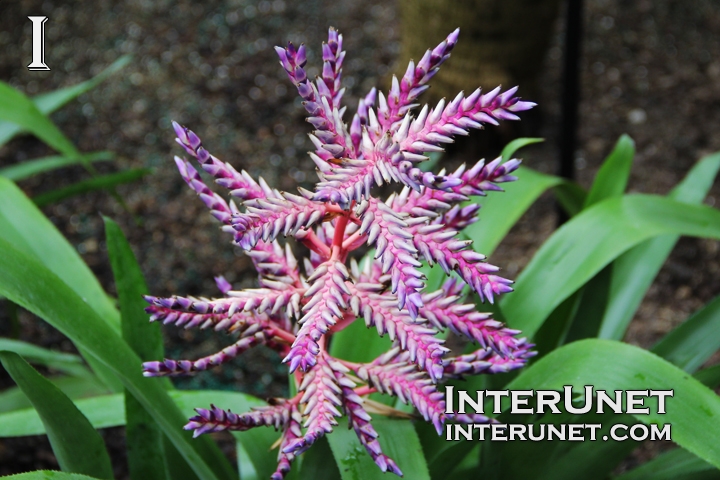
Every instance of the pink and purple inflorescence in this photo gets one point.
(296, 310)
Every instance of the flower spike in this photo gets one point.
(298, 304)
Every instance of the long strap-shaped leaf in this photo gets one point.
(97, 183)
(47, 475)
(635, 270)
(145, 450)
(108, 411)
(25, 227)
(693, 411)
(78, 447)
(29, 284)
(676, 464)
(695, 340)
(47, 103)
(16, 108)
(64, 362)
(21, 171)
(500, 211)
(612, 178)
(399, 441)
(583, 246)
(583, 321)
(12, 398)
(102, 411)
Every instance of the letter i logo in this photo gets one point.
(38, 44)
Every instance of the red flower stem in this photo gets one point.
(313, 243)
(283, 335)
(349, 241)
(342, 222)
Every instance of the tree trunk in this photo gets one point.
(502, 42)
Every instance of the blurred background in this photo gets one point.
(647, 68)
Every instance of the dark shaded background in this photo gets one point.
(649, 68)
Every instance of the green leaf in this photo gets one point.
(593, 299)
(433, 159)
(399, 442)
(583, 246)
(177, 467)
(64, 362)
(21, 171)
(516, 145)
(570, 196)
(612, 178)
(677, 464)
(51, 101)
(500, 211)
(357, 343)
(103, 411)
(693, 342)
(710, 377)
(245, 464)
(693, 411)
(16, 108)
(553, 332)
(555, 459)
(145, 451)
(634, 271)
(101, 182)
(25, 227)
(316, 465)
(47, 475)
(74, 387)
(610, 182)
(78, 447)
(441, 456)
(32, 286)
(109, 411)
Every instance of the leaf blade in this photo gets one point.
(399, 441)
(64, 362)
(677, 464)
(145, 449)
(23, 170)
(588, 242)
(16, 108)
(47, 103)
(694, 341)
(100, 182)
(612, 178)
(503, 210)
(694, 411)
(635, 270)
(31, 285)
(25, 227)
(77, 445)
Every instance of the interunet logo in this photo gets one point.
(531, 402)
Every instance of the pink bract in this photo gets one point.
(296, 310)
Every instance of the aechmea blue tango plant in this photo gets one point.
(300, 305)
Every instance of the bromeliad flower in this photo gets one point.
(296, 311)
